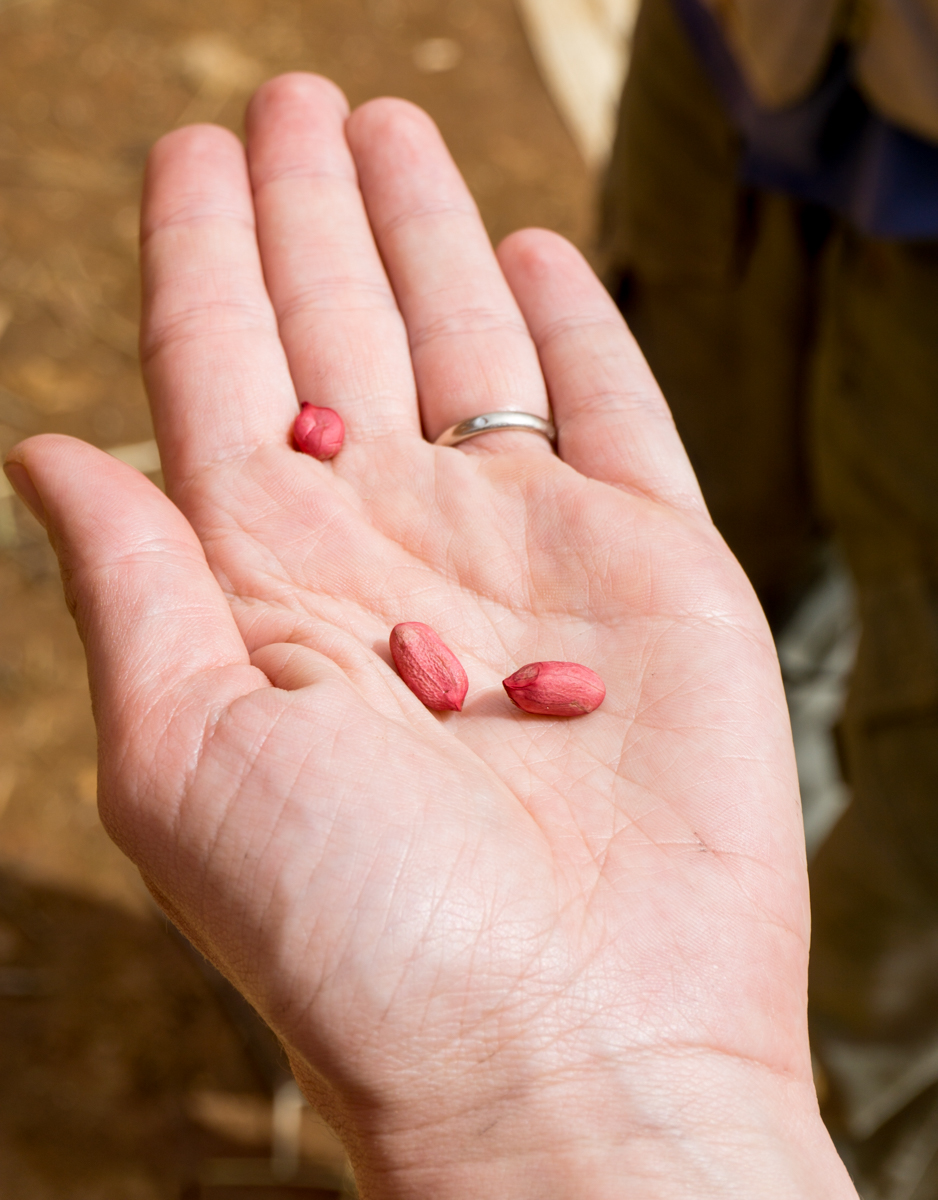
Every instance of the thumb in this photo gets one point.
(163, 650)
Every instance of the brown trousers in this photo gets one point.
(800, 360)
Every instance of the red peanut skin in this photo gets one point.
(319, 432)
(555, 689)
(429, 668)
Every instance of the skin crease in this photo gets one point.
(508, 956)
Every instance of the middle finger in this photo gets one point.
(338, 320)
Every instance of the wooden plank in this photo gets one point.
(582, 49)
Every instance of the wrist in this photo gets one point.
(687, 1128)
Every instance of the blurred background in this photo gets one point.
(127, 1071)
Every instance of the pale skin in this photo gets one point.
(509, 956)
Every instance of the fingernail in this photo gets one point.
(26, 490)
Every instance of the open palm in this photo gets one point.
(451, 921)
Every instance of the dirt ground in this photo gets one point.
(125, 1072)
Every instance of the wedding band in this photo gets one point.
(490, 422)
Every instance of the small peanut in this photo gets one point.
(429, 668)
(319, 432)
(557, 689)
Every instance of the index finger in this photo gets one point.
(216, 371)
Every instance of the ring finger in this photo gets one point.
(469, 344)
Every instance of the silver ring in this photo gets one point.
(490, 422)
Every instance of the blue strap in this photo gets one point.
(830, 148)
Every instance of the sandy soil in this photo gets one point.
(122, 1072)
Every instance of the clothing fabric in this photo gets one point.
(830, 146)
(800, 359)
(783, 50)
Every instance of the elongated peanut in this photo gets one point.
(429, 668)
(319, 432)
(557, 689)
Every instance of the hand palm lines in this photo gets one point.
(520, 754)
(324, 837)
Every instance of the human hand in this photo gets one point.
(508, 955)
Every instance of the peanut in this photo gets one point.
(557, 689)
(429, 668)
(318, 431)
